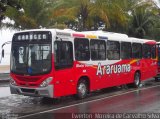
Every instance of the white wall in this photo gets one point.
(6, 35)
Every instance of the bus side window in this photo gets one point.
(113, 50)
(126, 50)
(98, 49)
(146, 51)
(63, 53)
(153, 52)
(137, 50)
(82, 52)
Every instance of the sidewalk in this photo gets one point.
(4, 73)
(4, 69)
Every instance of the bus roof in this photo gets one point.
(110, 35)
(158, 43)
(151, 42)
(35, 30)
(93, 35)
(136, 40)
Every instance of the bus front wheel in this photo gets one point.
(82, 89)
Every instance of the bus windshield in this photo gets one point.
(31, 58)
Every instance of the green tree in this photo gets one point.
(5, 5)
(138, 18)
(70, 11)
(34, 14)
(88, 12)
(142, 20)
(120, 15)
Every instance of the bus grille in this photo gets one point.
(28, 79)
(27, 90)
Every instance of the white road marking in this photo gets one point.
(87, 102)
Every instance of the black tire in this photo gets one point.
(137, 80)
(82, 89)
(156, 80)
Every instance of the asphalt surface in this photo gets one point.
(143, 103)
(111, 100)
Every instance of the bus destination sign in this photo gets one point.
(32, 36)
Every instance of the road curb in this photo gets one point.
(4, 80)
(4, 77)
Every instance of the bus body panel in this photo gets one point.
(64, 82)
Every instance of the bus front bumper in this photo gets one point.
(36, 92)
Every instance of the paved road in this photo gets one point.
(145, 101)
(111, 100)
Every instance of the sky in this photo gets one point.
(6, 35)
(157, 1)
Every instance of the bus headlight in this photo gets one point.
(46, 82)
(12, 81)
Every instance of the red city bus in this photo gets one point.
(54, 63)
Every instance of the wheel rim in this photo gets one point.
(137, 79)
(82, 89)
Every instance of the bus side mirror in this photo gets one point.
(3, 53)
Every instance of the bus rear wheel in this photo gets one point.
(157, 79)
(137, 80)
(82, 89)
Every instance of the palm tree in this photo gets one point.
(71, 11)
(34, 14)
(142, 18)
(5, 4)
(90, 13)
